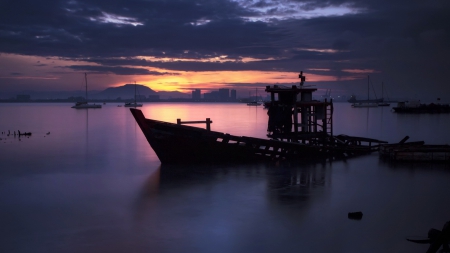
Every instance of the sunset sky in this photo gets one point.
(238, 44)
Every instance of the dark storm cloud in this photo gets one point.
(84, 28)
(398, 38)
(118, 70)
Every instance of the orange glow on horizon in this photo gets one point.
(222, 79)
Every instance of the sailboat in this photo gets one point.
(368, 103)
(382, 94)
(133, 104)
(85, 104)
(255, 103)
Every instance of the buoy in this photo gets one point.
(355, 215)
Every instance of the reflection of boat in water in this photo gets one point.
(298, 130)
(414, 106)
(85, 104)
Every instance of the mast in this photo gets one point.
(135, 94)
(368, 88)
(85, 79)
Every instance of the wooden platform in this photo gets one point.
(416, 151)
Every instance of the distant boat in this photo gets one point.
(133, 104)
(368, 102)
(255, 103)
(85, 104)
(415, 106)
(358, 105)
(353, 100)
(382, 94)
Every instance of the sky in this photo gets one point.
(180, 45)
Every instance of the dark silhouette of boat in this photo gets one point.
(354, 100)
(365, 103)
(298, 130)
(417, 107)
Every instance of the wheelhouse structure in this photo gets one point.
(294, 116)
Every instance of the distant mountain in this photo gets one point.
(125, 92)
(173, 94)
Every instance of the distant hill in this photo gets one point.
(172, 94)
(125, 92)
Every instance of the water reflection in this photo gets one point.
(290, 184)
(282, 183)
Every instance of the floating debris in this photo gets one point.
(355, 215)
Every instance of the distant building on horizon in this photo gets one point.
(23, 97)
(153, 97)
(224, 94)
(212, 96)
(140, 97)
(196, 94)
(233, 95)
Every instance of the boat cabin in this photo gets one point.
(295, 116)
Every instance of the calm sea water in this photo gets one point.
(88, 181)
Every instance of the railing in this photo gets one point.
(208, 123)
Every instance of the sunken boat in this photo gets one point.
(299, 129)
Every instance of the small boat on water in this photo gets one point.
(414, 106)
(384, 103)
(254, 103)
(133, 104)
(361, 105)
(85, 104)
(365, 103)
(297, 130)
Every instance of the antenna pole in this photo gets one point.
(85, 79)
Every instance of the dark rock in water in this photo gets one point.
(355, 215)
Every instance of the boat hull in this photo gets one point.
(86, 106)
(175, 143)
(132, 105)
(416, 152)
